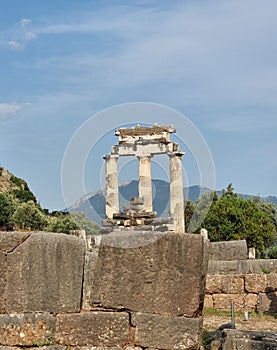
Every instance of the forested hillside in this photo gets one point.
(20, 210)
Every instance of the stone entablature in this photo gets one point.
(144, 143)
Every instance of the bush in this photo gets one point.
(7, 208)
(29, 216)
(272, 253)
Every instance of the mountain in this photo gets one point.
(93, 204)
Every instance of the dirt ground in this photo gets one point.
(255, 322)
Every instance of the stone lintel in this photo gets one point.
(140, 149)
(145, 131)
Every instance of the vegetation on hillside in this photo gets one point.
(20, 210)
(230, 217)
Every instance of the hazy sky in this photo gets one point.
(63, 61)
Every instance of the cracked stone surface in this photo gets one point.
(165, 276)
(8, 242)
(45, 274)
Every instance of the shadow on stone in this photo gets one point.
(211, 340)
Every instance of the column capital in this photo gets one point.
(145, 156)
(176, 154)
(111, 156)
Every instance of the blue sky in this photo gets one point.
(63, 61)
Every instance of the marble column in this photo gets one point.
(145, 181)
(176, 191)
(112, 200)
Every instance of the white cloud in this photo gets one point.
(24, 22)
(10, 110)
(20, 35)
(14, 44)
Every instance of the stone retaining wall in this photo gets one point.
(251, 283)
(137, 290)
(251, 292)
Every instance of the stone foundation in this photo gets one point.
(135, 291)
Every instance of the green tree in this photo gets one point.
(201, 210)
(29, 216)
(267, 207)
(61, 224)
(189, 210)
(232, 218)
(84, 223)
(272, 253)
(7, 208)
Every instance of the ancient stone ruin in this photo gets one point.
(144, 143)
(138, 289)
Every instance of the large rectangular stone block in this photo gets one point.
(232, 284)
(248, 340)
(93, 329)
(271, 282)
(45, 274)
(151, 272)
(251, 302)
(255, 283)
(224, 284)
(223, 301)
(167, 332)
(223, 267)
(26, 329)
(257, 266)
(3, 271)
(8, 242)
(243, 266)
(228, 250)
(268, 302)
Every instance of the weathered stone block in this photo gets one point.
(208, 302)
(94, 328)
(255, 283)
(45, 274)
(213, 284)
(8, 242)
(251, 301)
(257, 266)
(3, 271)
(243, 266)
(222, 301)
(268, 302)
(223, 267)
(228, 250)
(167, 332)
(99, 348)
(248, 340)
(161, 273)
(48, 347)
(271, 282)
(232, 284)
(224, 284)
(26, 329)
